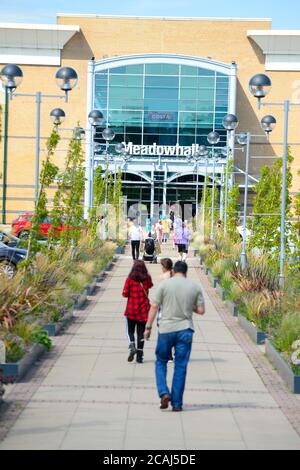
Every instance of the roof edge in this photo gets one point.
(175, 18)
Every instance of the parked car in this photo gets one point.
(9, 259)
(8, 239)
(21, 226)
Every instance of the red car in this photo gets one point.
(21, 226)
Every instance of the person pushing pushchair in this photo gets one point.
(150, 249)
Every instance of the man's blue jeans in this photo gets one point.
(182, 342)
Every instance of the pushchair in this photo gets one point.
(150, 250)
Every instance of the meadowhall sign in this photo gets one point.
(163, 150)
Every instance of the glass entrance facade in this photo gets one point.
(163, 104)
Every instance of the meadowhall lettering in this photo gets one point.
(166, 150)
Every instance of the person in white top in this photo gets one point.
(136, 235)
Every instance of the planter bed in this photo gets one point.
(12, 371)
(220, 291)
(257, 336)
(232, 307)
(54, 328)
(212, 279)
(283, 368)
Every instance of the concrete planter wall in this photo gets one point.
(232, 307)
(90, 289)
(80, 300)
(100, 276)
(109, 266)
(284, 370)
(220, 291)
(257, 336)
(53, 329)
(12, 371)
(212, 279)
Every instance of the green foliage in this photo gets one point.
(43, 338)
(287, 331)
(15, 348)
(267, 200)
(232, 213)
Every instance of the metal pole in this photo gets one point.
(243, 253)
(283, 194)
(221, 212)
(213, 201)
(5, 138)
(197, 195)
(93, 132)
(226, 188)
(204, 195)
(38, 100)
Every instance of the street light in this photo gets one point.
(66, 79)
(11, 76)
(268, 123)
(213, 138)
(58, 116)
(263, 86)
(95, 117)
(230, 123)
(259, 86)
(108, 134)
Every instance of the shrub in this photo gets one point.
(287, 331)
(235, 293)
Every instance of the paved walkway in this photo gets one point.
(85, 395)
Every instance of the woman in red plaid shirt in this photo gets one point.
(136, 289)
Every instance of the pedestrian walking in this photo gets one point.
(136, 289)
(159, 231)
(165, 230)
(179, 298)
(167, 273)
(136, 236)
(183, 238)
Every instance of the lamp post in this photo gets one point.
(95, 119)
(230, 123)
(213, 138)
(260, 85)
(203, 152)
(11, 76)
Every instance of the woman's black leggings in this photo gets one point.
(140, 329)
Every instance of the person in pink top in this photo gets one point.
(183, 238)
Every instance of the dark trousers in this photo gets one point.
(135, 246)
(133, 325)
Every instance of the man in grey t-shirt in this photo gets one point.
(179, 298)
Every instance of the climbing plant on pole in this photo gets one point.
(72, 193)
(48, 174)
(267, 207)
